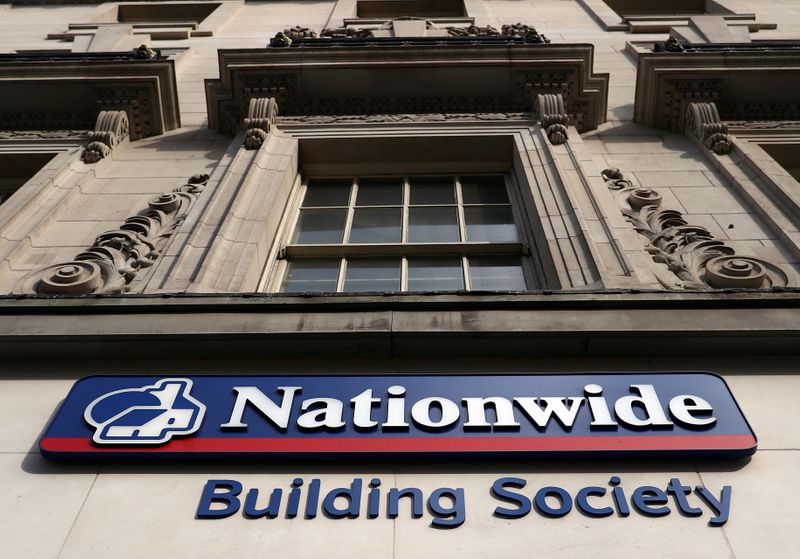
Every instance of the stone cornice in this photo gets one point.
(435, 77)
(87, 84)
(505, 326)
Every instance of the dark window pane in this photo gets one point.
(312, 275)
(376, 225)
(319, 227)
(331, 192)
(490, 223)
(484, 190)
(435, 274)
(380, 192)
(432, 225)
(432, 190)
(372, 274)
(496, 273)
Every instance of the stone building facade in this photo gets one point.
(397, 187)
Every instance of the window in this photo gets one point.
(673, 7)
(412, 233)
(413, 8)
(658, 16)
(18, 168)
(786, 155)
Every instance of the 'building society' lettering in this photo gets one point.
(447, 506)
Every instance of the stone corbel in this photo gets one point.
(260, 119)
(110, 130)
(703, 122)
(554, 118)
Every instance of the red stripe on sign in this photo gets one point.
(243, 445)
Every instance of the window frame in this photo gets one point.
(275, 271)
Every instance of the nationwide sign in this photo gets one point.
(532, 414)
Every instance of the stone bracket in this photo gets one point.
(550, 108)
(112, 128)
(703, 122)
(260, 119)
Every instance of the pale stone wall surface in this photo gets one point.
(657, 159)
(133, 510)
(144, 509)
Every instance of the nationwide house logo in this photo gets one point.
(149, 415)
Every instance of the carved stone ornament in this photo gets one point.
(473, 31)
(696, 259)
(260, 119)
(111, 129)
(553, 116)
(117, 257)
(287, 36)
(702, 121)
(345, 33)
(615, 180)
(409, 117)
(143, 52)
(516, 31)
(526, 32)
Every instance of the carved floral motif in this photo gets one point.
(409, 117)
(696, 259)
(117, 257)
(526, 32)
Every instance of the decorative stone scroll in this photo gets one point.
(117, 257)
(691, 253)
(345, 33)
(516, 31)
(112, 128)
(526, 32)
(703, 122)
(408, 117)
(553, 116)
(260, 118)
(287, 36)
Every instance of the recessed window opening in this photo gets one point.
(165, 13)
(410, 8)
(786, 155)
(18, 168)
(405, 233)
(627, 8)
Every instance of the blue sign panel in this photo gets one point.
(552, 414)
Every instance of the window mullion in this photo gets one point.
(462, 226)
(406, 198)
(465, 271)
(342, 272)
(348, 224)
